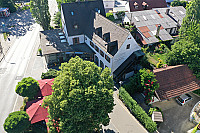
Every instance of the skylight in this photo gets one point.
(144, 17)
(181, 12)
(136, 18)
(72, 13)
(153, 17)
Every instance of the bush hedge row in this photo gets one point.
(137, 111)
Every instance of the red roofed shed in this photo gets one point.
(175, 81)
(35, 111)
(45, 87)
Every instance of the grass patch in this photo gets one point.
(153, 58)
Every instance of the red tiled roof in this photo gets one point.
(36, 112)
(175, 81)
(146, 34)
(151, 4)
(45, 87)
(144, 29)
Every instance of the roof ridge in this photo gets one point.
(35, 111)
(125, 30)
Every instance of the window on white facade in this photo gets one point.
(101, 64)
(76, 40)
(107, 58)
(91, 44)
(101, 53)
(128, 46)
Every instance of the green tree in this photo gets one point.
(28, 87)
(51, 73)
(179, 3)
(57, 19)
(40, 11)
(120, 14)
(82, 97)
(17, 122)
(8, 4)
(149, 83)
(187, 49)
(110, 16)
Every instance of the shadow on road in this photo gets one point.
(17, 24)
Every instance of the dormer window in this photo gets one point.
(106, 37)
(75, 26)
(144, 5)
(136, 5)
(72, 13)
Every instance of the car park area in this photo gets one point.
(176, 117)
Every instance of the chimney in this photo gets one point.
(158, 30)
(167, 11)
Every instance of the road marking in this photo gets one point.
(15, 103)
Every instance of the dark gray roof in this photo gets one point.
(81, 13)
(50, 43)
(117, 33)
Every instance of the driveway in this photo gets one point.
(176, 117)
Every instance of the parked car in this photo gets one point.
(183, 99)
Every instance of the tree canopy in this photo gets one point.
(16, 122)
(28, 87)
(179, 3)
(187, 49)
(40, 11)
(82, 97)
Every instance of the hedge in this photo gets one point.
(137, 111)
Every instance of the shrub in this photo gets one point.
(16, 122)
(137, 111)
(159, 64)
(110, 16)
(28, 87)
(52, 73)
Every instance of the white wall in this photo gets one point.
(124, 53)
(63, 24)
(106, 63)
(126, 19)
(109, 4)
(70, 39)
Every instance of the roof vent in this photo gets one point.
(75, 26)
(40, 104)
(45, 82)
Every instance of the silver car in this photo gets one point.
(183, 99)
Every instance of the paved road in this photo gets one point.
(12, 70)
(122, 121)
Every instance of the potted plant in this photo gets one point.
(40, 51)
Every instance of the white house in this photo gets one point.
(113, 46)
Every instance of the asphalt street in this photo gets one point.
(12, 70)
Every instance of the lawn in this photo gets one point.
(153, 58)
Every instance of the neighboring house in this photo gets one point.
(84, 25)
(120, 6)
(174, 81)
(156, 24)
(139, 5)
(109, 5)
